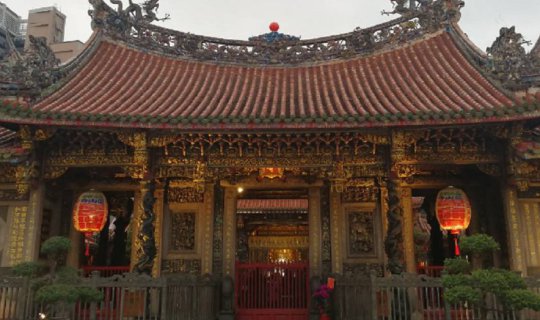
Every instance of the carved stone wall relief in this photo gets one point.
(182, 232)
(360, 230)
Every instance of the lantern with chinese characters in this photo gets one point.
(453, 212)
(90, 214)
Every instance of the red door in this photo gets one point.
(272, 291)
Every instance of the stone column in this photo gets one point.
(315, 235)
(207, 226)
(74, 253)
(229, 232)
(336, 215)
(513, 230)
(408, 229)
(158, 229)
(33, 223)
(384, 215)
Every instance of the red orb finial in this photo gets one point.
(274, 26)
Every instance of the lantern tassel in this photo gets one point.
(87, 251)
(456, 247)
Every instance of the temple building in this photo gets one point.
(324, 154)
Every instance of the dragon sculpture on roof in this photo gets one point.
(509, 62)
(449, 8)
(32, 71)
(124, 19)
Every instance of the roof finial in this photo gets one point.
(274, 26)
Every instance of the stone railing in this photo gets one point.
(411, 296)
(124, 296)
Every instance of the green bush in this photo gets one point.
(57, 292)
(60, 286)
(497, 281)
(459, 294)
(463, 286)
(457, 266)
(521, 299)
(450, 281)
(28, 269)
(478, 244)
(55, 246)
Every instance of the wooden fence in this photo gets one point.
(128, 296)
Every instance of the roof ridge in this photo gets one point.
(121, 25)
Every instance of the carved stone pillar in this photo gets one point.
(336, 228)
(207, 230)
(158, 229)
(513, 229)
(229, 232)
(393, 244)
(146, 252)
(315, 235)
(408, 229)
(135, 225)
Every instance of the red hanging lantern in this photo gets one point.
(90, 214)
(453, 212)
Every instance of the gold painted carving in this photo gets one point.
(42, 134)
(7, 173)
(17, 232)
(25, 134)
(339, 177)
(360, 194)
(491, 169)
(52, 172)
(90, 159)
(261, 162)
(269, 145)
(514, 228)
(134, 172)
(158, 229)
(11, 195)
(184, 195)
(360, 233)
(336, 225)
(138, 141)
(182, 235)
(25, 175)
(278, 242)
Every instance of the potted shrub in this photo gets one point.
(465, 284)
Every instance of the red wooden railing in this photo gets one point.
(277, 289)
(104, 271)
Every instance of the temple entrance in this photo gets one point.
(272, 269)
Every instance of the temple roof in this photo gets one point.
(410, 71)
(10, 148)
(536, 49)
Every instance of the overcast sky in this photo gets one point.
(240, 19)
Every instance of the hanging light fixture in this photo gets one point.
(90, 214)
(453, 212)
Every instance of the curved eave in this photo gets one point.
(520, 113)
(428, 81)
